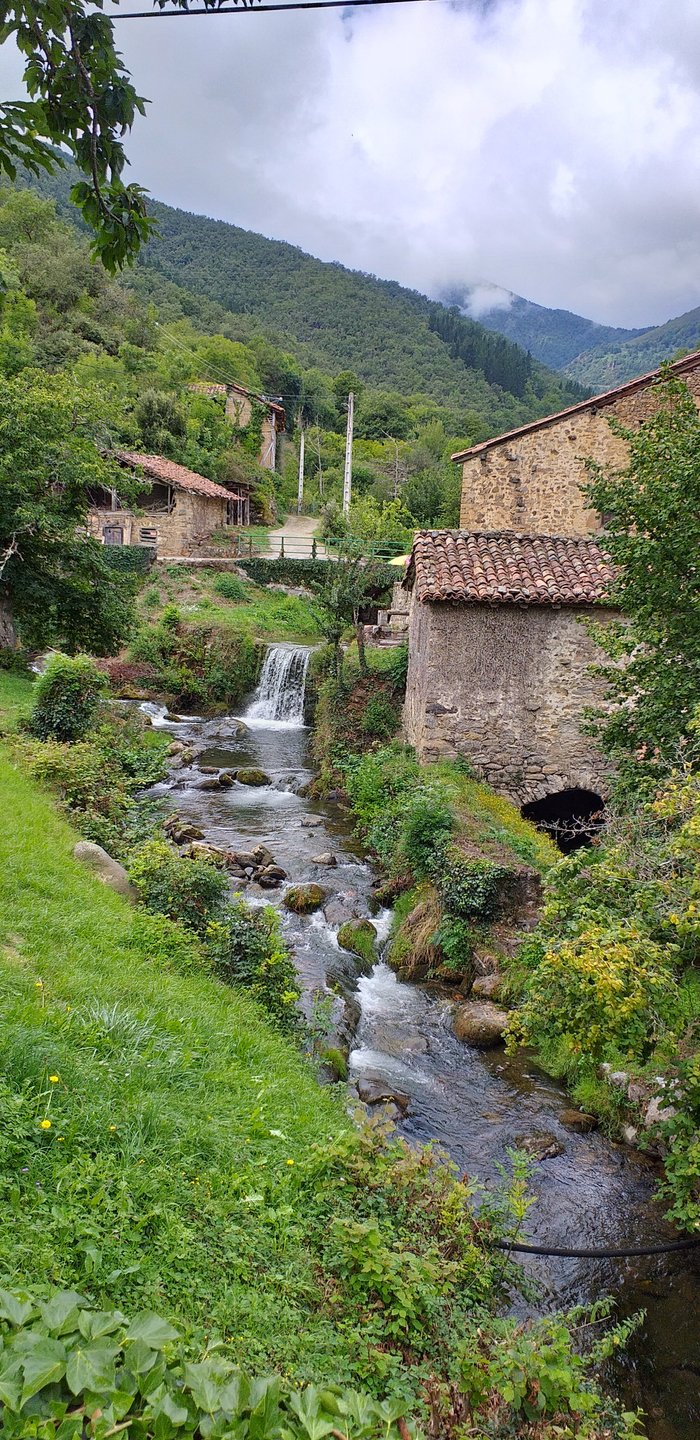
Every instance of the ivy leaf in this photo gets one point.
(152, 1329)
(93, 1324)
(61, 1309)
(43, 1365)
(10, 1383)
(14, 1308)
(168, 1406)
(91, 1367)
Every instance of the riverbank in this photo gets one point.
(233, 1190)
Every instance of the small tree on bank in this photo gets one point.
(652, 530)
(55, 586)
(347, 590)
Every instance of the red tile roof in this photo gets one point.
(210, 388)
(158, 468)
(500, 568)
(680, 367)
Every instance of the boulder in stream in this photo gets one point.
(372, 1090)
(339, 909)
(486, 987)
(270, 876)
(311, 822)
(540, 1145)
(253, 776)
(326, 859)
(105, 868)
(263, 856)
(480, 1023)
(578, 1120)
(359, 936)
(302, 899)
(210, 854)
(180, 831)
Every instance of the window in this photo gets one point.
(148, 536)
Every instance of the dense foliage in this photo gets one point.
(66, 698)
(652, 529)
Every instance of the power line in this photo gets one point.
(252, 9)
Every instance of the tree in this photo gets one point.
(55, 585)
(347, 589)
(81, 98)
(652, 530)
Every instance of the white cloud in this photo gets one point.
(550, 147)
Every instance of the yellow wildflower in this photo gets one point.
(290, 1162)
(46, 1124)
(54, 1079)
(112, 1127)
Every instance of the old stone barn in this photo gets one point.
(498, 661)
(176, 512)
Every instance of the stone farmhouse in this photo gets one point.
(176, 513)
(239, 404)
(499, 663)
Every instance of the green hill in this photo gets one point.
(610, 365)
(338, 319)
(554, 337)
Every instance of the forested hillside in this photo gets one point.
(337, 319)
(608, 365)
(555, 337)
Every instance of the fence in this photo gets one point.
(278, 546)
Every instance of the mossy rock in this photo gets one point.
(359, 936)
(303, 899)
(253, 777)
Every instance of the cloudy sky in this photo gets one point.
(548, 146)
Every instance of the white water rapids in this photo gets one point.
(279, 698)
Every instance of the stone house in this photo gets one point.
(498, 661)
(239, 404)
(177, 511)
(529, 479)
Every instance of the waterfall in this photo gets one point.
(279, 698)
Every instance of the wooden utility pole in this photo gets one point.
(300, 491)
(347, 477)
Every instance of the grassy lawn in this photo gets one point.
(15, 698)
(170, 1175)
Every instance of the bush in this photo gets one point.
(190, 891)
(379, 718)
(397, 668)
(426, 830)
(247, 949)
(313, 573)
(169, 944)
(129, 560)
(230, 587)
(471, 887)
(66, 698)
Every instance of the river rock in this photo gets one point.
(540, 1145)
(359, 936)
(311, 822)
(176, 747)
(180, 831)
(239, 727)
(658, 1111)
(619, 1078)
(480, 1023)
(325, 859)
(263, 856)
(227, 778)
(486, 987)
(253, 776)
(578, 1120)
(106, 869)
(302, 899)
(271, 876)
(211, 784)
(374, 1091)
(340, 909)
(210, 854)
(630, 1134)
(208, 769)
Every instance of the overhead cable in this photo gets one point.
(261, 9)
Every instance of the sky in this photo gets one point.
(547, 147)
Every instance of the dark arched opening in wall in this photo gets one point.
(571, 818)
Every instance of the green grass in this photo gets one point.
(15, 698)
(164, 1179)
(263, 614)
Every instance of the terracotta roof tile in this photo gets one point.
(501, 568)
(158, 468)
(595, 402)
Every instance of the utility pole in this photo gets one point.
(300, 491)
(347, 477)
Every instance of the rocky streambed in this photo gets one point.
(406, 1059)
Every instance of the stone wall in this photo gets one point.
(531, 482)
(504, 686)
(192, 518)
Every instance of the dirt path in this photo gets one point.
(297, 533)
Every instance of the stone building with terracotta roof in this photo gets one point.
(498, 661)
(530, 479)
(240, 405)
(176, 513)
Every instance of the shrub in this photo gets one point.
(168, 943)
(426, 830)
(471, 887)
(230, 587)
(66, 698)
(379, 718)
(190, 891)
(247, 949)
(397, 668)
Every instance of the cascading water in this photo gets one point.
(279, 698)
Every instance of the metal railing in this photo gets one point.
(311, 547)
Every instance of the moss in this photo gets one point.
(359, 936)
(303, 899)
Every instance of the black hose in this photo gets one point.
(689, 1244)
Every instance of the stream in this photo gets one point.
(475, 1104)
